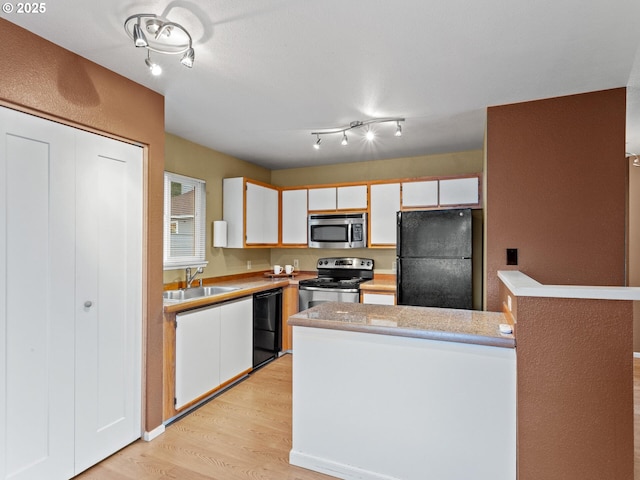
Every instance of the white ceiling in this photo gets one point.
(268, 72)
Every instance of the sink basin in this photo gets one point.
(196, 292)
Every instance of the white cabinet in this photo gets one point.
(459, 191)
(379, 298)
(70, 354)
(197, 354)
(294, 217)
(236, 338)
(322, 198)
(420, 194)
(213, 345)
(352, 197)
(385, 202)
(251, 211)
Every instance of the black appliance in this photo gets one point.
(267, 316)
(338, 280)
(434, 258)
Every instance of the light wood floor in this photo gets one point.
(245, 433)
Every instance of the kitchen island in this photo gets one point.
(398, 392)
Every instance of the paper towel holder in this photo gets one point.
(220, 233)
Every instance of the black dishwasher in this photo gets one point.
(267, 316)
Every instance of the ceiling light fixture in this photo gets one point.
(370, 135)
(160, 35)
(636, 159)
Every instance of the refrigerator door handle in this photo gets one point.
(398, 280)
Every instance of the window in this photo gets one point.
(184, 221)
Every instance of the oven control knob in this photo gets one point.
(368, 263)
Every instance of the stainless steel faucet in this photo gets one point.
(191, 277)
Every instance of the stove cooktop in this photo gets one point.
(329, 282)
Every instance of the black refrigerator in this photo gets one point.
(434, 258)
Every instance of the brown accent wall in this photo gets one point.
(42, 78)
(556, 184)
(574, 389)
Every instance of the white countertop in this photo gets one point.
(522, 285)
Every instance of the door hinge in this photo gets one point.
(175, 401)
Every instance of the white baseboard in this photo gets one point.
(636, 354)
(329, 467)
(156, 432)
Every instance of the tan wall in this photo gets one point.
(42, 78)
(188, 158)
(422, 166)
(425, 165)
(556, 190)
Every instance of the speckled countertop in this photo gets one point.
(245, 286)
(444, 324)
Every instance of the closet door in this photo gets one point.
(108, 297)
(37, 277)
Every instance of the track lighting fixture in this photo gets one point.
(160, 35)
(636, 159)
(370, 134)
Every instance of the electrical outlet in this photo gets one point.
(248, 264)
(296, 263)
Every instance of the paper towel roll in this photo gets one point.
(219, 233)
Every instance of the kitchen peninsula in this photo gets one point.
(383, 392)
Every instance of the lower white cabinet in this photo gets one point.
(213, 345)
(71, 296)
(379, 298)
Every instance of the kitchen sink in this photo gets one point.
(196, 292)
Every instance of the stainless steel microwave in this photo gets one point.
(340, 230)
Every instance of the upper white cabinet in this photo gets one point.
(459, 191)
(71, 356)
(322, 198)
(251, 211)
(352, 197)
(294, 217)
(385, 202)
(420, 194)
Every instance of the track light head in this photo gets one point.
(398, 130)
(317, 144)
(345, 140)
(153, 67)
(370, 135)
(188, 58)
(139, 38)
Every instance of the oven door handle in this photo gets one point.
(322, 289)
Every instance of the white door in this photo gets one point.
(37, 274)
(108, 297)
(70, 233)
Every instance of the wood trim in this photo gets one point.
(169, 367)
(290, 307)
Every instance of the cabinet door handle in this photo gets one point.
(88, 304)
